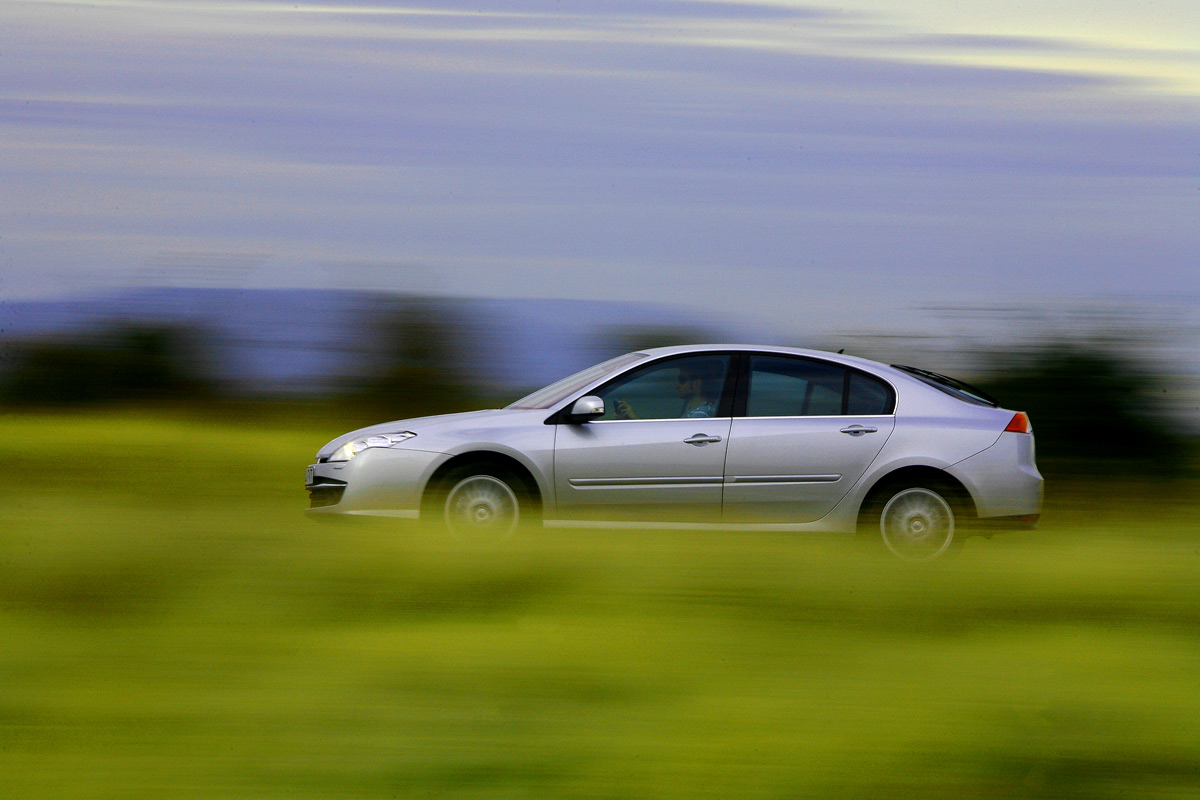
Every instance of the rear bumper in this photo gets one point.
(1003, 480)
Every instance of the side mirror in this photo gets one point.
(586, 408)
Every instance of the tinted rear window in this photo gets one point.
(951, 386)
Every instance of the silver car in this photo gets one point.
(714, 436)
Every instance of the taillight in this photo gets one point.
(1019, 423)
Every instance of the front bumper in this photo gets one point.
(380, 481)
(324, 491)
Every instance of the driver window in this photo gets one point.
(678, 388)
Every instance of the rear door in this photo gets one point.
(808, 432)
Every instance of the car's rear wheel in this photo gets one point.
(479, 504)
(917, 523)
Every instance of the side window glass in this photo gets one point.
(869, 396)
(674, 389)
(793, 387)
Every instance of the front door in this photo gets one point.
(658, 452)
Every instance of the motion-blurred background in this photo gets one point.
(230, 231)
(1109, 389)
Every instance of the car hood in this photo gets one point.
(423, 426)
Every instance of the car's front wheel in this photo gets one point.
(917, 523)
(479, 504)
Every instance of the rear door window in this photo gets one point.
(794, 387)
(780, 386)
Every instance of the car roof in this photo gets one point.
(840, 358)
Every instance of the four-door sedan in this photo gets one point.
(721, 436)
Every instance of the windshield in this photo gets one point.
(555, 392)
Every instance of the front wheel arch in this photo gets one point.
(504, 467)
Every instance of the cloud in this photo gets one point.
(527, 150)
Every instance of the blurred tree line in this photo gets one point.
(117, 363)
(412, 363)
(417, 364)
(1096, 407)
(1096, 404)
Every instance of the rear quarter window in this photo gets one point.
(869, 396)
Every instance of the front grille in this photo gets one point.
(325, 494)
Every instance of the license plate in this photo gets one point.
(308, 476)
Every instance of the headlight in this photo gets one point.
(350, 449)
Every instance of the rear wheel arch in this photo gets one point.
(919, 513)
(956, 493)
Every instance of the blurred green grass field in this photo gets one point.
(172, 626)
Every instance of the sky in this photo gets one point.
(811, 167)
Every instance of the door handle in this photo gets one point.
(859, 430)
(701, 439)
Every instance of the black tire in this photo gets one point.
(479, 503)
(916, 522)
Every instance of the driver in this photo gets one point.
(699, 386)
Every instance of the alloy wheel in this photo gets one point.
(917, 524)
(482, 506)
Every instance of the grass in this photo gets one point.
(171, 625)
